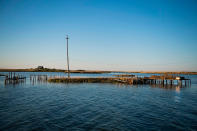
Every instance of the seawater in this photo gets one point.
(96, 106)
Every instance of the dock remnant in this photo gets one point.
(13, 78)
(38, 78)
(167, 79)
(152, 80)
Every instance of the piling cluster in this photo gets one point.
(13, 78)
(38, 78)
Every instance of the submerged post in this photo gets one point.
(68, 58)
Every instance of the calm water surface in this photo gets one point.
(47, 106)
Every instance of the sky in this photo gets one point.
(120, 35)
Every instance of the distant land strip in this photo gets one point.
(54, 70)
(92, 71)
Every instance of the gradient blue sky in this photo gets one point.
(133, 35)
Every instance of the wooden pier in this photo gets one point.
(167, 80)
(164, 80)
(152, 80)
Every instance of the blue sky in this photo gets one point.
(128, 35)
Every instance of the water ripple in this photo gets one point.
(96, 107)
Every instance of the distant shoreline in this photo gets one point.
(92, 71)
(53, 70)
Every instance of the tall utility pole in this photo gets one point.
(67, 57)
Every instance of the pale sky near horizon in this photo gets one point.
(127, 35)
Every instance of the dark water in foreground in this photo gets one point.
(45, 106)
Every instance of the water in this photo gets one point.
(49, 106)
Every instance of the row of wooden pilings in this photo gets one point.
(139, 80)
(43, 78)
(38, 78)
(169, 81)
(13, 78)
(13, 75)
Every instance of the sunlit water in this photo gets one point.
(49, 106)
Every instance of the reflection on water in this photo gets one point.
(177, 95)
(94, 106)
(178, 89)
(173, 87)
